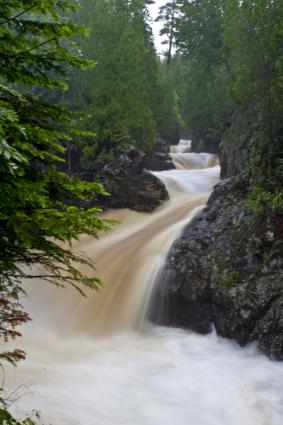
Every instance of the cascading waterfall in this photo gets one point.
(183, 146)
(97, 361)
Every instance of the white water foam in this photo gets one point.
(156, 377)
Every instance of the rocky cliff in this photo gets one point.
(226, 270)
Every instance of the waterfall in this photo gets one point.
(128, 258)
(97, 361)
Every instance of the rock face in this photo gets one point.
(238, 142)
(208, 144)
(227, 270)
(130, 185)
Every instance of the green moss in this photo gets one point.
(229, 278)
(224, 274)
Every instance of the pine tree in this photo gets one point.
(37, 201)
(199, 39)
(120, 98)
(168, 14)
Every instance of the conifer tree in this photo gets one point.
(37, 201)
(168, 14)
(120, 97)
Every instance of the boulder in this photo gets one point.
(159, 159)
(130, 185)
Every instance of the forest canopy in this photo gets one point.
(230, 62)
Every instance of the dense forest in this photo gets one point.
(82, 83)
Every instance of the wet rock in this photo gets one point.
(238, 142)
(159, 162)
(162, 146)
(207, 144)
(159, 159)
(227, 270)
(130, 185)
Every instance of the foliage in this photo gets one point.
(256, 63)
(6, 418)
(232, 51)
(168, 14)
(199, 39)
(37, 201)
(261, 200)
(172, 78)
(120, 98)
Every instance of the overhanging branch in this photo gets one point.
(20, 14)
(29, 50)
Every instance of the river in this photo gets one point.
(97, 361)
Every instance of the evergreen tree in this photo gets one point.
(168, 14)
(199, 38)
(172, 78)
(37, 201)
(233, 51)
(121, 95)
(253, 37)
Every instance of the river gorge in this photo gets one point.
(99, 361)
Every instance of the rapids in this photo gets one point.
(97, 361)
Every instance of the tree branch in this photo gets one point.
(29, 50)
(36, 276)
(17, 16)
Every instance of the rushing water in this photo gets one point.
(96, 361)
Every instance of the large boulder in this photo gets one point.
(159, 159)
(130, 185)
(226, 270)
